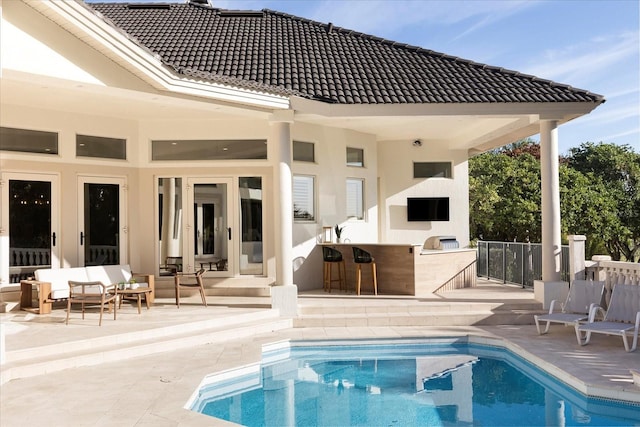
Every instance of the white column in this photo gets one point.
(284, 295)
(550, 181)
(577, 265)
(550, 287)
(284, 243)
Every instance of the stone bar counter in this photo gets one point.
(408, 269)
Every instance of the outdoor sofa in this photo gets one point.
(53, 283)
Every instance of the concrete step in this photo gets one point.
(413, 313)
(225, 286)
(40, 360)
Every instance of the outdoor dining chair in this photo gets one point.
(190, 281)
(91, 293)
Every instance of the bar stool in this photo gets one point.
(330, 257)
(360, 257)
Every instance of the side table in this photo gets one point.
(134, 294)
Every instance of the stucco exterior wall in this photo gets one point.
(39, 58)
(397, 183)
(331, 173)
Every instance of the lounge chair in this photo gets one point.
(622, 317)
(583, 295)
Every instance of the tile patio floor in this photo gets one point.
(151, 390)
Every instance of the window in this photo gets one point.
(303, 198)
(432, 169)
(304, 151)
(28, 141)
(95, 146)
(355, 157)
(355, 198)
(209, 149)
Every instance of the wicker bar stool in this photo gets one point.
(333, 257)
(360, 256)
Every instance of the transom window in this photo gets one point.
(304, 151)
(432, 169)
(355, 157)
(28, 141)
(96, 146)
(238, 149)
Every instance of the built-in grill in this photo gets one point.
(441, 243)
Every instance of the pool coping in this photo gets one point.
(579, 386)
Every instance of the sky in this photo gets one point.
(587, 44)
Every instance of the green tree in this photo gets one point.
(504, 193)
(586, 207)
(599, 196)
(615, 171)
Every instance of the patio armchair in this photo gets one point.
(190, 280)
(621, 318)
(171, 266)
(582, 297)
(91, 293)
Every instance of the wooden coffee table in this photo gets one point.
(135, 294)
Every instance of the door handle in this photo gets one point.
(81, 238)
(229, 231)
(53, 239)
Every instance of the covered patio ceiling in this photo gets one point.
(471, 132)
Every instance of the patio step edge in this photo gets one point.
(56, 350)
(117, 351)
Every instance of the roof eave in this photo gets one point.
(77, 18)
(560, 111)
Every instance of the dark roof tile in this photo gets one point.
(284, 54)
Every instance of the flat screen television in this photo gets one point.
(428, 209)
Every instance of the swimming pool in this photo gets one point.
(402, 383)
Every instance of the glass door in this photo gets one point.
(29, 228)
(208, 231)
(101, 221)
(250, 191)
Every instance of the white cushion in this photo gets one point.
(109, 274)
(59, 279)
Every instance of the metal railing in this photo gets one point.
(513, 262)
(466, 278)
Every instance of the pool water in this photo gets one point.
(445, 384)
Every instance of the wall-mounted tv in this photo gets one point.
(428, 209)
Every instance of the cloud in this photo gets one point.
(585, 62)
(389, 18)
(492, 12)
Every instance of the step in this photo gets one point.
(405, 319)
(414, 313)
(45, 359)
(226, 286)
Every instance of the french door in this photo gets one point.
(207, 229)
(102, 226)
(29, 225)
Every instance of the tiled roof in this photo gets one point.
(284, 54)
